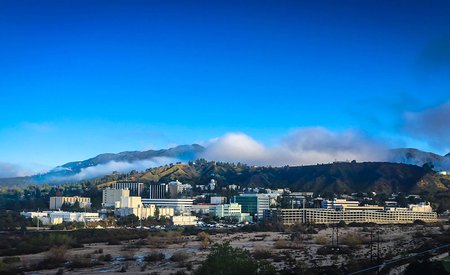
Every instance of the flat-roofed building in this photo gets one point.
(141, 212)
(179, 205)
(338, 203)
(57, 202)
(184, 220)
(333, 216)
(111, 196)
(129, 202)
(135, 188)
(158, 191)
(254, 204)
(232, 211)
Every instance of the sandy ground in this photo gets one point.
(394, 240)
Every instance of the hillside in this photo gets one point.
(379, 177)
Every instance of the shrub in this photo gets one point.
(322, 240)
(105, 258)
(114, 242)
(261, 253)
(154, 257)
(57, 254)
(179, 256)
(231, 260)
(352, 240)
(281, 243)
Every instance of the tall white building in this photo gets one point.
(57, 202)
(158, 191)
(135, 188)
(176, 187)
(111, 196)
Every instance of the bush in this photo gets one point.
(57, 254)
(352, 240)
(179, 256)
(322, 240)
(105, 258)
(154, 257)
(114, 242)
(231, 260)
(281, 243)
(261, 253)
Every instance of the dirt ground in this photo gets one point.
(284, 250)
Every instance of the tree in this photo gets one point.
(226, 260)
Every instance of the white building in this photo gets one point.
(133, 206)
(390, 215)
(57, 202)
(232, 210)
(135, 188)
(218, 200)
(57, 217)
(140, 212)
(184, 220)
(111, 196)
(129, 202)
(158, 191)
(176, 187)
(179, 205)
(338, 203)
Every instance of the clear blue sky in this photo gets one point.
(79, 78)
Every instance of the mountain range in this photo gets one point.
(91, 168)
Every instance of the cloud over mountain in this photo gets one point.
(301, 147)
(119, 166)
(10, 170)
(431, 125)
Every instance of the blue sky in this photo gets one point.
(79, 78)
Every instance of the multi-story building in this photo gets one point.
(129, 202)
(57, 217)
(158, 191)
(338, 203)
(135, 188)
(184, 220)
(140, 212)
(333, 216)
(179, 205)
(254, 204)
(217, 200)
(232, 210)
(57, 202)
(176, 187)
(134, 206)
(111, 196)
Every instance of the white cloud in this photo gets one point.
(431, 125)
(119, 166)
(301, 147)
(11, 170)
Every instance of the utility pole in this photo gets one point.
(371, 245)
(378, 246)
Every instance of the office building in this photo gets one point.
(111, 196)
(158, 191)
(333, 216)
(218, 200)
(179, 205)
(338, 203)
(57, 202)
(57, 217)
(254, 204)
(176, 188)
(184, 220)
(135, 188)
(230, 211)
